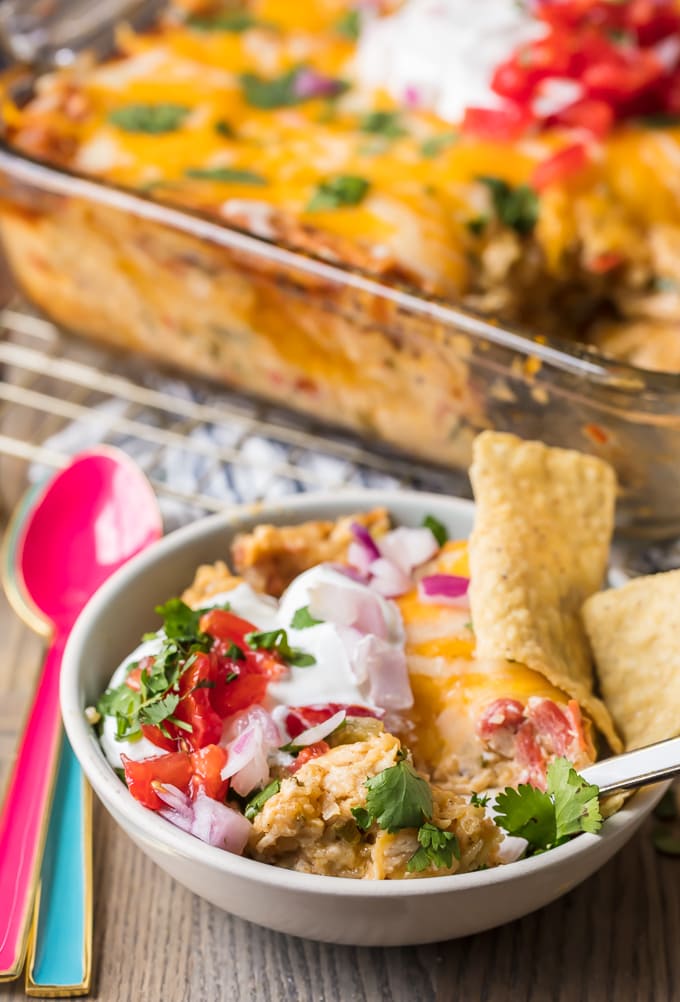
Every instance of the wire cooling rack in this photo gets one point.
(202, 447)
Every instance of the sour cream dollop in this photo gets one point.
(441, 54)
(350, 612)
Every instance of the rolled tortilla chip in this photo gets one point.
(635, 636)
(539, 548)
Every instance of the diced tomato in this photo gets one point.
(617, 82)
(529, 755)
(224, 625)
(172, 770)
(501, 713)
(583, 741)
(500, 125)
(239, 694)
(195, 707)
(560, 167)
(155, 735)
(230, 629)
(554, 729)
(310, 752)
(596, 117)
(606, 262)
(134, 679)
(300, 718)
(207, 764)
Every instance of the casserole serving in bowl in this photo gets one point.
(294, 895)
(218, 197)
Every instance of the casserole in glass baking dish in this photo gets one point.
(264, 230)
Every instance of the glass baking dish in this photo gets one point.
(416, 374)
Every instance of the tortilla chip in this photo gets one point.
(539, 548)
(635, 635)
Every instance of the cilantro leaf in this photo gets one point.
(435, 145)
(398, 798)
(362, 817)
(382, 123)
(479, 800)
(180, 621)
(234, 652)
(284, 91)
(227, 175)
(277, 640)
(160, 710)
(545, 820)
(151, 118)
(223, 128)
(515, 207)
(257, 802)
(334, 192)
(438, 530)
(303, 619)
(349, 25)
(577, 808)
(528, 813)
(233, 20)
(437, 848)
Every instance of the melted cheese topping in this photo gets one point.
(450, 687)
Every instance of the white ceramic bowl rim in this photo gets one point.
(157, 829)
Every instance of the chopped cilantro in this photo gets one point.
(477, 225)
(257, 802)
(277, 640)
(382, 123)
(479, 800)
(516, 207)
(334, 192)
(349, 25)
(435, 145)
(235, 653)
(229, 175)
(204, 683)
(437, 848)
(151, 118)
(223, 128)
(283, 91)
(438, 530)
(302, 619)
(231, 20)
(545, 820)
(397, 798)
(157, 698)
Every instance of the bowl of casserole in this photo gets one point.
(236, 194)
(319, 857)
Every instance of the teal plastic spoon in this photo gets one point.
(66, 539)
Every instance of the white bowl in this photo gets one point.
(332, 909)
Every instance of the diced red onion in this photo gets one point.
(365, 540)
(408, 548)
(351, 572)
(320, 731)
(247, 764)
(237, 723)
(388, 579)
(342, 604)
(443, 588)
(384, 666)
(309, 84)
(206, 819)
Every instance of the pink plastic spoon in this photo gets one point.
(91, 518)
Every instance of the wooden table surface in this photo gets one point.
(615, 938)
